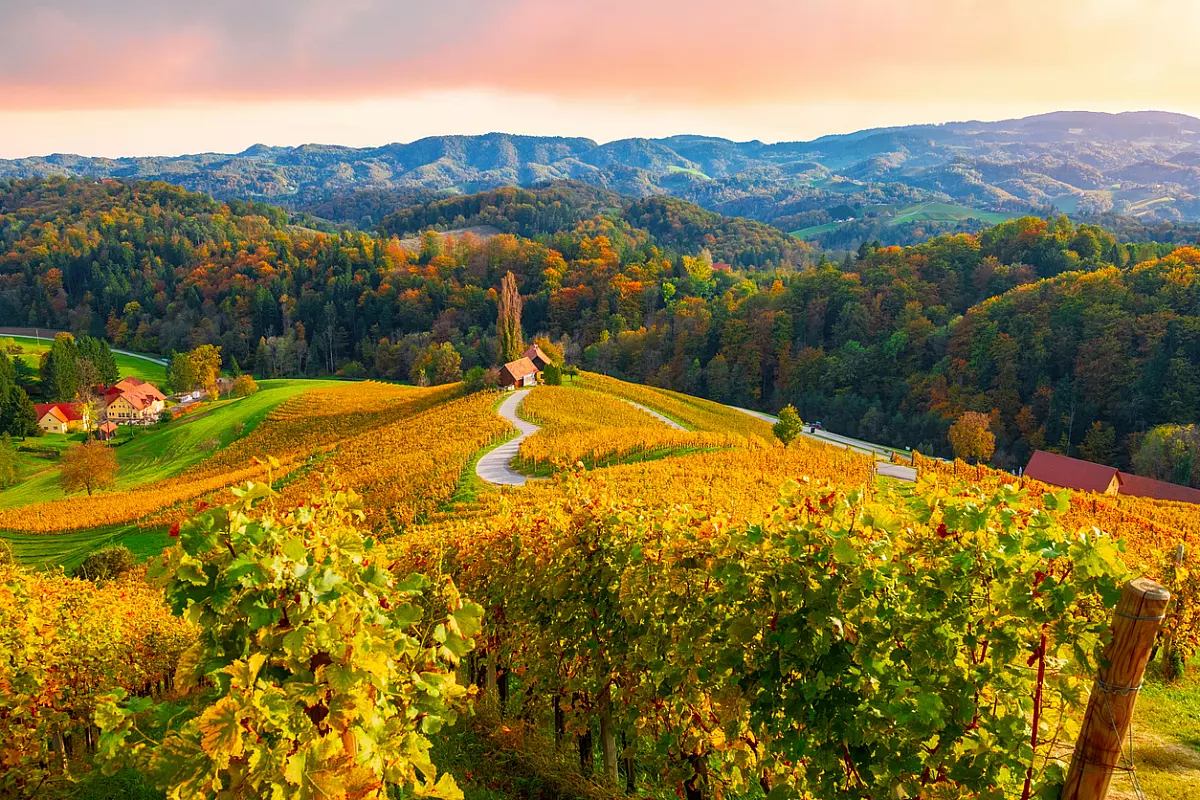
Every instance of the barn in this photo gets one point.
(522, 372)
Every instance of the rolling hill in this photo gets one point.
(1140, 164)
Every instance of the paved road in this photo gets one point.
(885, 468)
(48, 335)
(494, 467)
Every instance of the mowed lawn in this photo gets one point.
(141, 368)
(149, 454)
(42, 551)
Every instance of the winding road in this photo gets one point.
(495, 467)
(885, 468)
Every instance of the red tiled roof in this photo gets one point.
(1137, 486)
(66, 412)
(1075, 473)
(1072, 473)
(139, 393)
(535, 354)
(516, 370)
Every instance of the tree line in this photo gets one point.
(1064, 336)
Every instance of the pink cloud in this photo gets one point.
(78, 54)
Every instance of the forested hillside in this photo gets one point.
(1140, 167)
(890, 344)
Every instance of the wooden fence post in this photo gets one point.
(1098, 751)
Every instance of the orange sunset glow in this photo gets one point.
(151, 77)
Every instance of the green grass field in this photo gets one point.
(149, 454)
(918, 212)
(946, 212)
(695, 173)
(814, 230)
(140, 368)
(69, 549)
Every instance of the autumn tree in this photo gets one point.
(789, 426)
(90, 466)
(508, 323)
(972, 438)
(196, 369)
(437, 365)
(552, 351)
(243, 386)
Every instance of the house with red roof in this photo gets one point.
(522, 372)
(61, 417)
(131, 401)
(1086, 476)
(537, 356)
(1073, 473)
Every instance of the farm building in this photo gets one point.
(539, 358)
(132, 401)
(1072, 473)
(522, 372)
(1075, 473)
(105, 431)
(61, 417)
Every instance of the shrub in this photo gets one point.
(353, 370)
(243, 386)
(473, 379)
(552, 375)
(106, 564)
(789, 425)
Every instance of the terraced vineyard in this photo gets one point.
(660, 574)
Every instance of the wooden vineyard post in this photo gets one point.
(1099, 749)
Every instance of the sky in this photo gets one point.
(162, 77)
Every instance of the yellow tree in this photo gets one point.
(972, 438)
(91, 466)
(206, 367)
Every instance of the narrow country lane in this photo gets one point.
(884, 468)
(493, 466)
(670, 423)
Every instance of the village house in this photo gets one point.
(522, 372)
(106, 431)
(1087, 476)
(131, 401)
(539, 358)
(61, 417)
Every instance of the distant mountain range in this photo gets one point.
(1139, 164)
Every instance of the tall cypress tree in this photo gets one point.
(508, 324)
